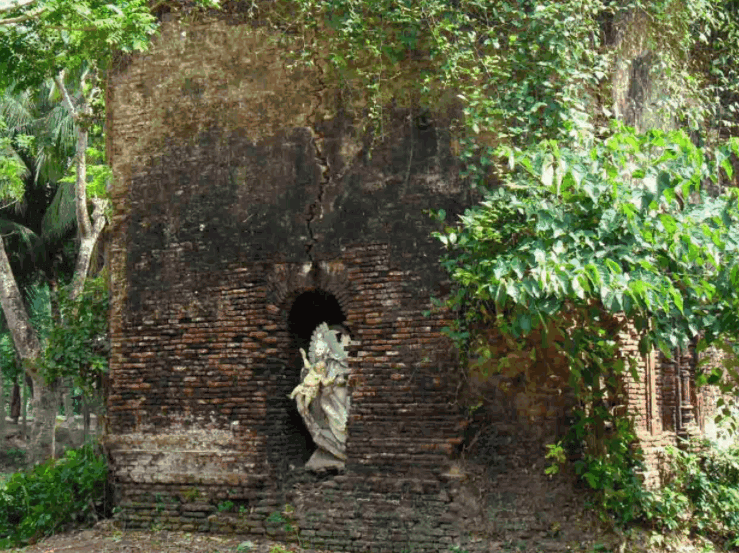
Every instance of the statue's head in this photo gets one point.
(343, 336)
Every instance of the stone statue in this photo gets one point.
(322, 397)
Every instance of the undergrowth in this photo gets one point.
(52, 496)
(700, 494)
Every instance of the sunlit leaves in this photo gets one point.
(619, 233)
(72, 34)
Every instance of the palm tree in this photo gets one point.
(38, 226)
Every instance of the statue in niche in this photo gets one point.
(322, 397)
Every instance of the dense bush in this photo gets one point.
(701, 494)
(53, 495)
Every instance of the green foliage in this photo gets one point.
(70, 35)
(77, 345)
(8, 364)
(585, 239)
(515, 72)
(52, 495)
(14, 456)
(612, 471)
(556, 452)
(12, 168)
(702, 493)
(713, 49)
(73, 35)
(602, 231)
(226, 506)
(286, 520)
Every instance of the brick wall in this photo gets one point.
(247, 211)
(660, 418)
(248, 208)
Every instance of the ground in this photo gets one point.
(105, 538)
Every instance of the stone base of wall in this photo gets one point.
(338, 512)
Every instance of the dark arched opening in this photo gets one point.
(309, 309)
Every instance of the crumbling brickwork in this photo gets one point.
(249, 208)
(247, 211)
(664, 402)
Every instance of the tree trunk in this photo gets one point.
(85, 417)
(87, 247)
(29, 350)
(44, 417)
(67, 391)
(89, 232)
(15, 402)
(2, 409)
(24, 409)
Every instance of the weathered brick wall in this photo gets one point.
(660, 418)
(247, 211)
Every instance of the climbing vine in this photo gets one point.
(511, 72)
(586, 242)
(588, 229)
(514, 73)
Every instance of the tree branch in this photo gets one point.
(66, 99)
(17, 6)
(22, 18)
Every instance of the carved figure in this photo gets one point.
(322, 397)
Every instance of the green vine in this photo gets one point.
(587, 242)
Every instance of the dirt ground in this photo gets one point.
(105, 538)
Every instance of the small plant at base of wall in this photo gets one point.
(226, 506)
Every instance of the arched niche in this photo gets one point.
(291, 445)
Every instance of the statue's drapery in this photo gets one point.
(322, 397)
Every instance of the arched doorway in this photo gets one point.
(295, 445)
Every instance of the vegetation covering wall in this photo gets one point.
(276, 171)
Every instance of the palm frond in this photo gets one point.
(28, 239)
(60, 126)
(15, 108)
(38, 304)
(61, 217)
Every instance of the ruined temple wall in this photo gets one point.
(241, 182)
(239, 185)
(652, 400)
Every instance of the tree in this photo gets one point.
(69, 42)
(39, 228)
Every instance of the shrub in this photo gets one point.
(702, 494)
(52, 495)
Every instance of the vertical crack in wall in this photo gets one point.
(315, 210)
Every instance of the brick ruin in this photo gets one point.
(247, 210)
